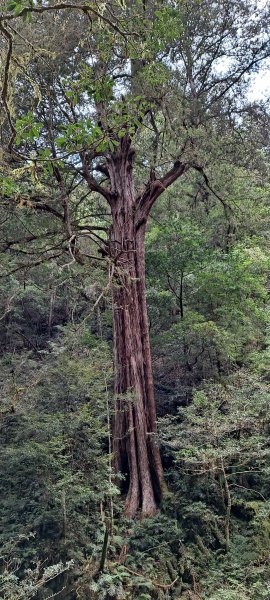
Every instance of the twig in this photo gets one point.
(72, 250)
(105, 289)
(248, 490)
(227, 207)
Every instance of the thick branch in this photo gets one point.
(102, 168)
(155, 188)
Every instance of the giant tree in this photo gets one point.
(107, 105)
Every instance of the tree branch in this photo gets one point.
(235, 78)
(155, 188)
(31, 265)
(227, 208)
(93, 185)
(30, 238)
(47, 208)
(85, 8)
(4, 93)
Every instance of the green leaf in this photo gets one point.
(61, 141)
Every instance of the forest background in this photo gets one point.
(129, 131)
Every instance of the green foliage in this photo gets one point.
(219, 460)
(79, 82)
(27, 129)
(54, 429)
(13, 587)
(17, 6)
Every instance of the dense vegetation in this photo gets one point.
(128, 133)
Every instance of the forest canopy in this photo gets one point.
(134, 307)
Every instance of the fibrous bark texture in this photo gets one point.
(135, 446)
(134, 433)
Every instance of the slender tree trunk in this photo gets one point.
(134, 432)
(181, 296)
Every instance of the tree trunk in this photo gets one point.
(134, 432)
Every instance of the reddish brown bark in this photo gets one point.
(135, 446)
(135, 429)
(134, 435)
